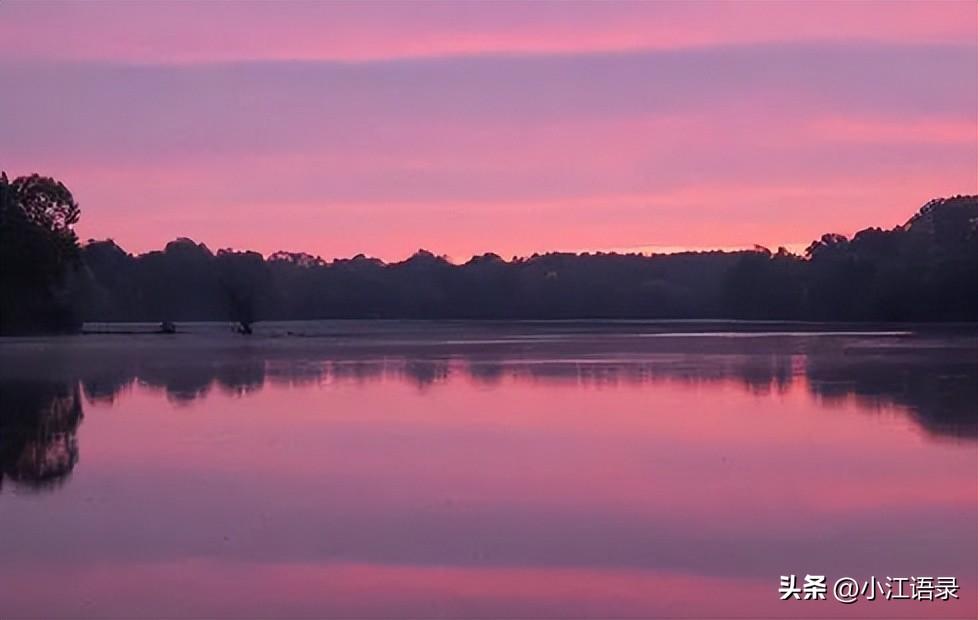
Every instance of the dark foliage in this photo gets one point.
(39, 256)
(924, 270)
(243, 287)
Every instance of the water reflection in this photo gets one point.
(39, 419)
(942, 397)
(939, 394)
(584, 481)
(38, 425)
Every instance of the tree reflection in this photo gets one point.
(241, 378)
(182, 383)
(938, 393)
(942, 397)
(937, 390)
(38, 425)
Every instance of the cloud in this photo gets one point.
(355, 32)
(383, 156)
(147, 110)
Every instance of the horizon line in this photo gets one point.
(795, 248)
(647, 251)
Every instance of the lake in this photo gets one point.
(486, 470)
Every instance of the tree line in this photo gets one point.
(923, 270)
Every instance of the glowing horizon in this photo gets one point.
(465, 128)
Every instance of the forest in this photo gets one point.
(925, 269)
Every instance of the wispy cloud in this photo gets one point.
(520, 127)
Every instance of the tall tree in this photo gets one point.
(39, 255)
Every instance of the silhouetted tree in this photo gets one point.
(926, 269)
(243, 279)
(39, 255)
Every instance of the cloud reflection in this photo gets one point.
(39, 419)
(939, 394)
(492, 477)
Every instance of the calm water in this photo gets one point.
(424, 470)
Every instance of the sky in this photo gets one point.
(462, 128)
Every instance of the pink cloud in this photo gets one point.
(813, 118)
(130, 32)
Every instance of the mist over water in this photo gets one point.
(484, 470)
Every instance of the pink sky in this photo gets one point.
(508, 127)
